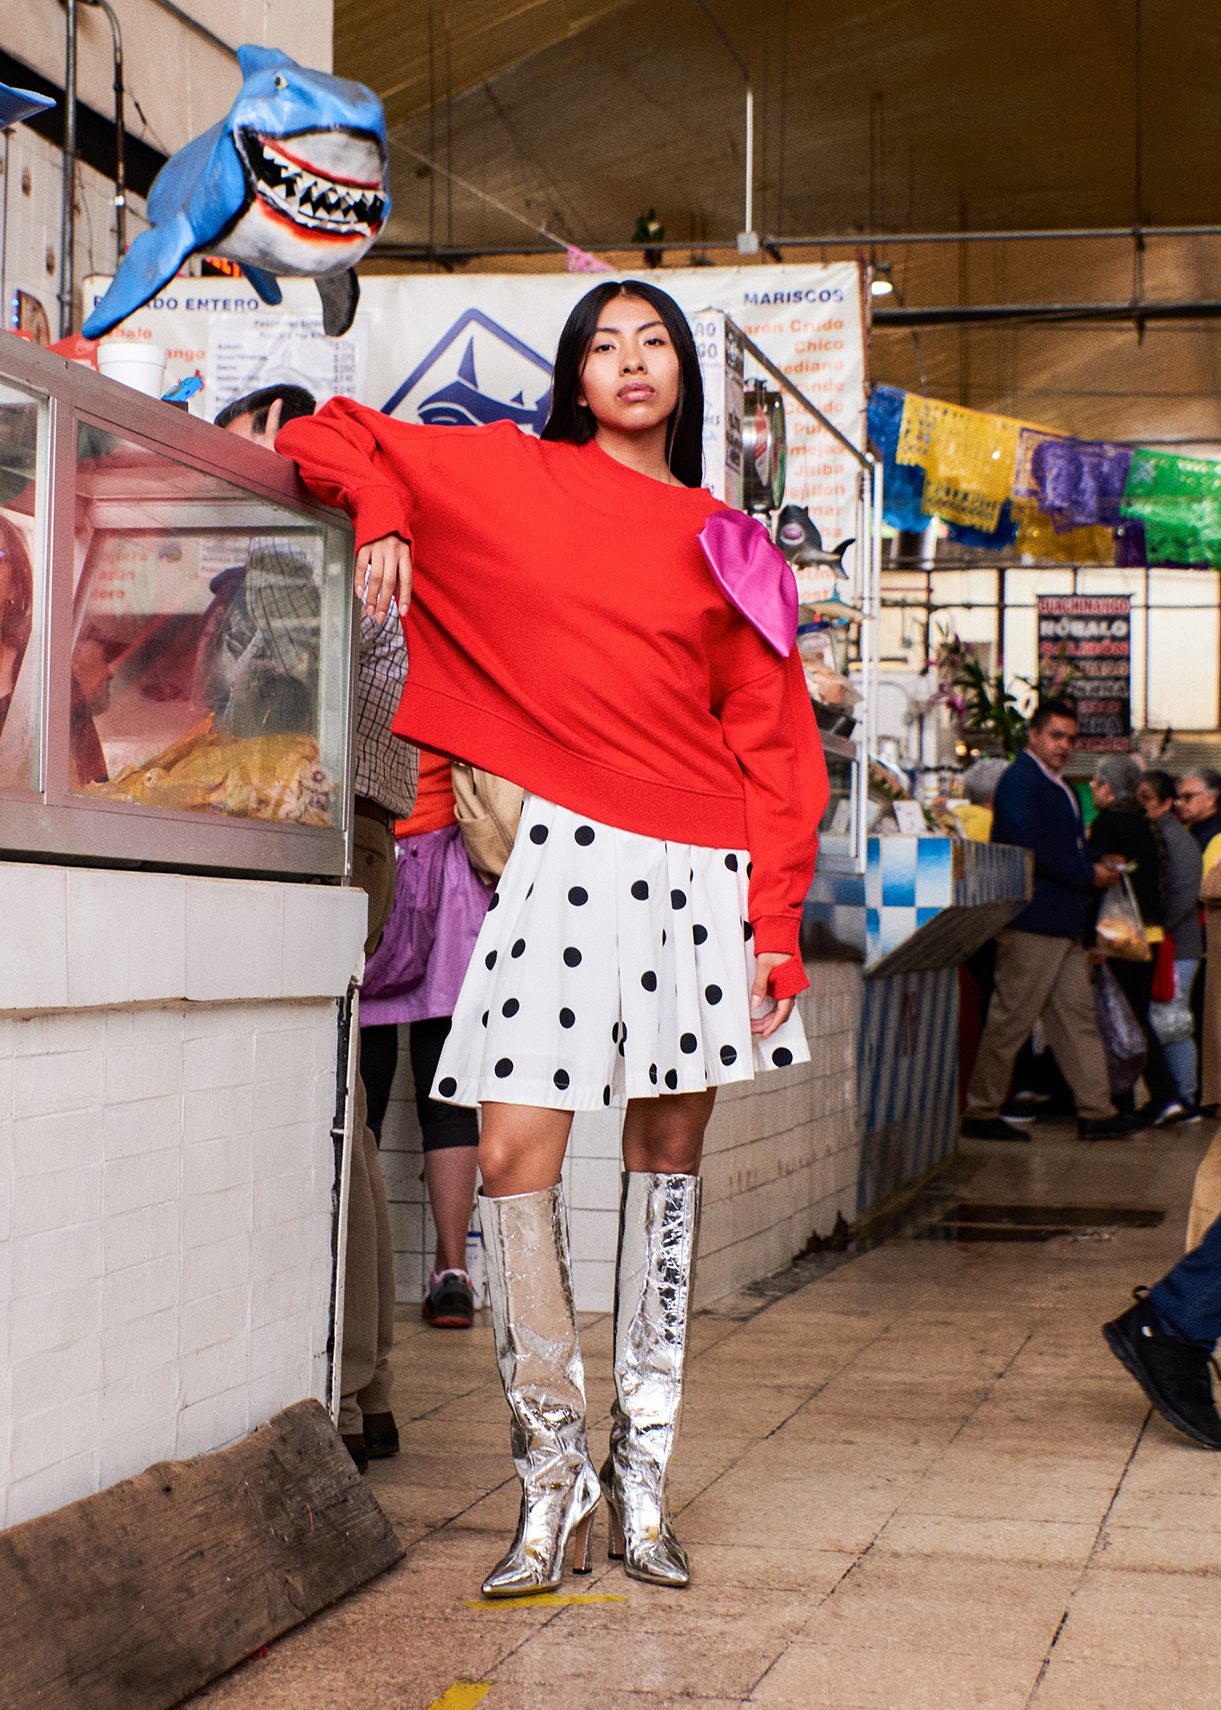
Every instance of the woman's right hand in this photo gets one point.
(383, 575)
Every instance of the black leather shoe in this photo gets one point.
(1174, 1374)
(991, 1128)
(354, 1443)
(381, 1436)
(1119, 1127)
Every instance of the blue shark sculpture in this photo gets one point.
(17, 104)
(291, 181)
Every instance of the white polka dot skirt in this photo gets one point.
(609, 967)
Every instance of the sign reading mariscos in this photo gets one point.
(1089, 637)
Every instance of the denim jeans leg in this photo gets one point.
(1187, 1301)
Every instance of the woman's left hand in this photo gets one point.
(763, 1022)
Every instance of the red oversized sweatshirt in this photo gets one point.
(565, 632)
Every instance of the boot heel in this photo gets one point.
(583, 1544)
(614, 1547)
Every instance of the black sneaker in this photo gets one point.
(1118, 1127)
(1174, 1374)
(381, 1436)
(450, 1301)
(991, 1128)
(1020, 1110)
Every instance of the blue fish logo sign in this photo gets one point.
(477, 372)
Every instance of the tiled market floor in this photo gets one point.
(916, 1478)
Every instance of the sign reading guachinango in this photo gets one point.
(1088, 637)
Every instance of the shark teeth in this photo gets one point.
(310, 199)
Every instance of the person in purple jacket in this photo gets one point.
(1042, 970)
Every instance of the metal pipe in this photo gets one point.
(959, 314)
(4, 326)
(67, 214)
(749, 217)
(851, 240)
(120, 166)
(863, 458)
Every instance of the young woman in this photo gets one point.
(590, 623)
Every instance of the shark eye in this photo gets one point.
(280, 82)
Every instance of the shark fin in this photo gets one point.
(252, 58)
(265, 284)
(150, 263)
(340, 293)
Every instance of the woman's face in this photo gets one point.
(630, 377)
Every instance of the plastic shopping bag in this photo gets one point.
(1122, 1039)
(1120, 930)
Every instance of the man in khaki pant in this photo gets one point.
(1042, 971)
(385, 789)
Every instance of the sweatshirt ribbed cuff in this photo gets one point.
(379, 511)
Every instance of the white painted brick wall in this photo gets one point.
(164, 1263)
(780, 1162)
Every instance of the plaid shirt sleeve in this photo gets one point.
(387, 768)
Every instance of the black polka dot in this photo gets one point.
(700, 934)
(584, 835)
(486, 1013)
(448, 1087)
(782, 1056)
(678, 899)
(605, 1095)
(489, 961)
(529, 893)
(748, 931)
(750, 867)
(640, 890)
(663, 937)
(567, 1018)
(672, 1079)
(495, 900)
(713, 994)
(578, 896)
(731, 861)
(649, 980)
(728, 1055)
(615, 1025)
(622, 1051)
(572, 958)
(560, 1078)
(538, 834)
(688, 1043)
(505, 1067)
(518, 948)
(653, 1073)
(510, 1008)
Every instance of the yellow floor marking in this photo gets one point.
(462, 1695)
(543, 1600)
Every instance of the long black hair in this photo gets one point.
(572, 421)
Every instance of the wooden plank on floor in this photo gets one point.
(136, 1597)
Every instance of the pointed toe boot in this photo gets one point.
(530, 1293)
(658, 1227)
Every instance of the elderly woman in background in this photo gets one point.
(1184, 867)
(979, 783)
(1122, 828)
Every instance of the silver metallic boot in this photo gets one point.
(658, 1225)
(525, 1240)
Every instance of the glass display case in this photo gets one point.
(175, 637)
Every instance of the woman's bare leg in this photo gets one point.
(521, 1148)
(450, 1177)
(666, 1134)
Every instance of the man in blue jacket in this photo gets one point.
(1042, 971)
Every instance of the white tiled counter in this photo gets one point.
(167, 1087)
(781, 1161)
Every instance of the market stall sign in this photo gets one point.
(1087, 638)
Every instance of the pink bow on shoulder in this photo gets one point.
(753, 574)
